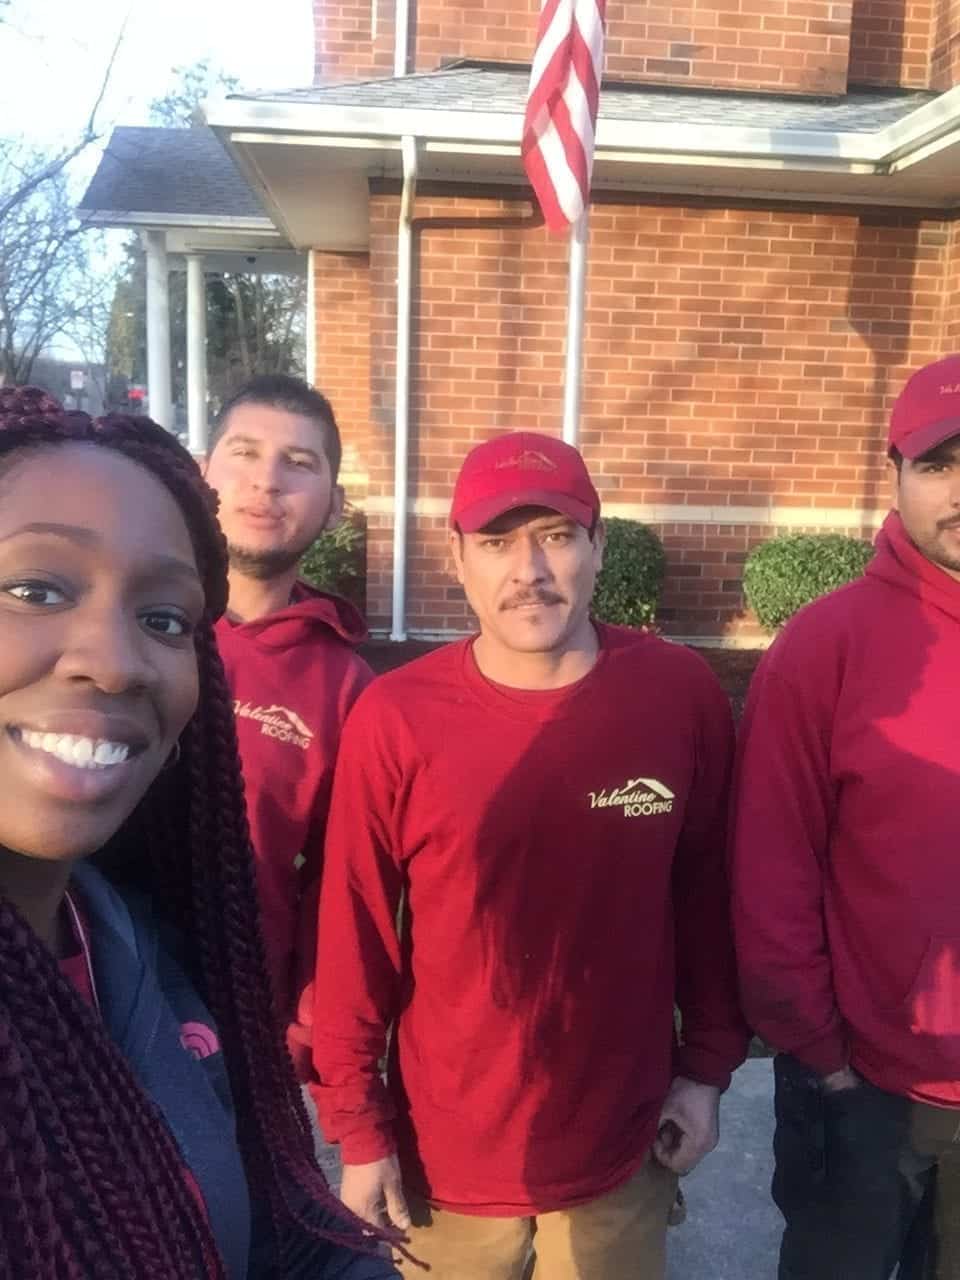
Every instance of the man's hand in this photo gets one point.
(374, 1192)
(689, 1127)
(838, 1081)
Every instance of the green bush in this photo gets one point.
(784, 574)
(628, 588)
(337, 561)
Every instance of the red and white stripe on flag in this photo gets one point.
(561, 116)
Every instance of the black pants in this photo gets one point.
(856, 1179)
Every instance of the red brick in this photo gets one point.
(748, 44)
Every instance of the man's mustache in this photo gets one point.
(532, 597)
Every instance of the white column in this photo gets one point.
(196, 355)
(158, 329)
(311, 335)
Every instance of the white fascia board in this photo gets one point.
(923, 126)
(120, 218)
(238, 116)
(627, 141)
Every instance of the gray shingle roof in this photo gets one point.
(169, 171)
(499, 89)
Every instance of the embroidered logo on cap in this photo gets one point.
(528, 460)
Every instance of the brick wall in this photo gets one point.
(951, 287)
(741, 358)
(342, 362)
(890, 42)
(945, 45)
(794, 46)
(914, 43)
(346, 45)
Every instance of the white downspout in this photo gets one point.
(576, 308)
(401, 38)
(401, 58)
(402, 432)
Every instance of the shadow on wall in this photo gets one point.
(877, 39)
(504, 255)
(881, 309)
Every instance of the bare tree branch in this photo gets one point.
(12, 199)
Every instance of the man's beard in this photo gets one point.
(265, 565)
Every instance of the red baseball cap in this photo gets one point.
(927, 410)
(522, 469)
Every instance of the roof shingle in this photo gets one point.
(169, 171)
(500, 89)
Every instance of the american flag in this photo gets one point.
(561, 116)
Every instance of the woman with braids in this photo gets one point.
(150, 1124)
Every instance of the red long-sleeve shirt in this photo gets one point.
(293, 675)
(561, 858)
(847, 889)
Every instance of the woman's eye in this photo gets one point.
(173, 625)
(37, 593)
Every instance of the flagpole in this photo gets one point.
(576, 309)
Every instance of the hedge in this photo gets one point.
(337, 561)
(784, 574)
(628, 587)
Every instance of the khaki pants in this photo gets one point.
(620, 1236)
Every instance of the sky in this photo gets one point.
(54, 53)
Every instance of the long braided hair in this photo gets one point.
(91, 1182)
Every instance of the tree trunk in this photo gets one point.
(241, 326)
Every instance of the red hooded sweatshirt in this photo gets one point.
(846, 850)
(294, 676)
(561, 853)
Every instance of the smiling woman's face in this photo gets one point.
(99, 599)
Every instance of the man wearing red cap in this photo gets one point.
(547, 802)
(847, 880)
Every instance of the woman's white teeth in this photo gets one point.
(84, 753)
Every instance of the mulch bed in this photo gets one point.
(733, 667)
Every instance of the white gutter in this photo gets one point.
(834, 148)
(405, 247)
(196, 221)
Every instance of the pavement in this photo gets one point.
(732, 1230)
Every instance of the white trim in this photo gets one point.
(923, 125)
(771, 514)
(199, 221)
(836, 148)
(628, 180)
